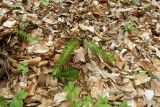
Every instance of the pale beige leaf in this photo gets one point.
(79, 55)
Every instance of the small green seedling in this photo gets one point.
(120, 1)
(3, 102)
(87, 101)
(45, 2)
(123, 104)
(128, 27)
(135, 1)
(98, 50)
(23, 67)
(102, 102)
(145, 6)
(69, 74)
(21, 31)
(130, 17)
(72, 92)
(17, 5)
(65, 55)
(76, 104)
(17, 100)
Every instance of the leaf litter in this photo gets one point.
(134, 77)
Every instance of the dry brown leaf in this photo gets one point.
(79, 55)
(155, 85)
(42, 79)
(97, 11)
(32, 89)
(9, 23)
(46, 102)
(35, 98)
(141, 78)
(130, 44)
(97, 87)
(34, 61)
(38, 49)
(58, 98)
(89, 28)
(119, 61)
(146, 63)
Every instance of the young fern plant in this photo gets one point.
(20, 30)
(69, 74)
(65, 55)
(98, 50)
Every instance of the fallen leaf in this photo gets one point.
(146, 63)
(119, 61)
(32, 89)
(145, 36)
(97, 87)
(34, 61)
(155, 85)
(158, 28)
(42, 79)
(38, 49)
(140, 79)
(130, 45)
(60, 97)
(89, 28)
(9, 23)
(98, 11)
(157, 52)
(79, 55)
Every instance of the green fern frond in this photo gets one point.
(23, 25)
(66, 53)
(24, 35)
(21, 30)
(98, 50)
(69, 74)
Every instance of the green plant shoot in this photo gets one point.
(65, 55)
(87, 101)
(3, 102)
(128, 27)
(17, 100)
(102, 102)
(23, 67)
(69, 74)
(72, 91)
(97, 50)
(45, 2)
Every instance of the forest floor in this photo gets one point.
(128, 28)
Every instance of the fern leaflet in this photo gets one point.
(66, 53)
(24, 35)
(21, 30)
(69, 74)
(98, 50)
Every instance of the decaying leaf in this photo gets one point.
(119, 61)
(38, 49)
(140, 79)
(58, 98)
(97, 87)
(146, 64)
(9, 23)
(79, 55)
